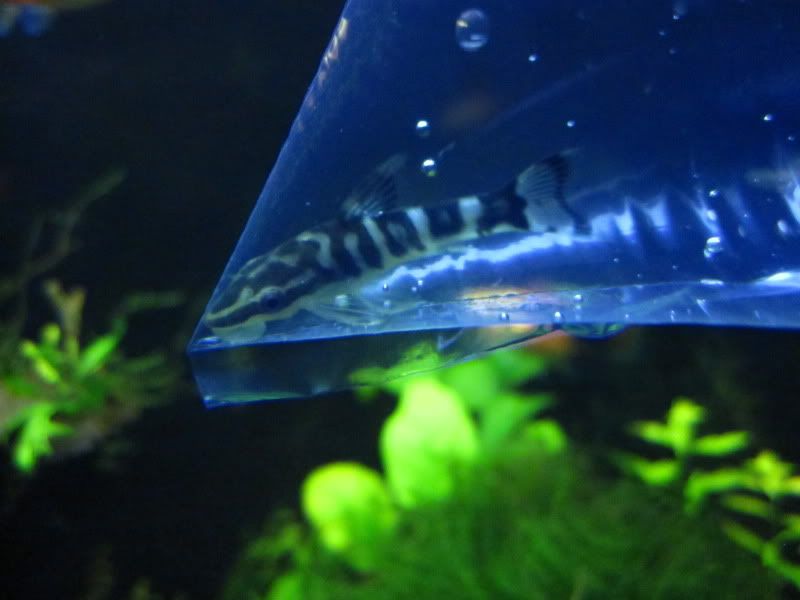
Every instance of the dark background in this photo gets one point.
(194, 99)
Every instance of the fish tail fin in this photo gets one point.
(543, 183)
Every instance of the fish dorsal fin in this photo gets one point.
(377, 193)
(543, 182)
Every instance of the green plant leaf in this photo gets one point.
(42, 366)
(773, 556)
(721, 444)
(749, 505)
(683, 418)
(51, 335)
(544, 436)
(653, 472)
(702, 484)
(97, 354)
(768, 474)
(426, 442)
(350, 509)
(476, 383)
(506, 415)
(744, 537)
(287, 587)
(652, 432)
(33, 438)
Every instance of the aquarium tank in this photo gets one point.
(524, 271)
(465, 176)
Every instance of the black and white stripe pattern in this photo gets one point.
(362, 245)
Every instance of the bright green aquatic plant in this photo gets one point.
(482, 497)
(61, 388)
(678, 433)
(61, 383)
(752, 490)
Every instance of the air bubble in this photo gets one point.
(429, 167)
(768, 117)
(472, 30)
(673, 316)
(533, 57)
(578, 298)
(790, 138)
(713, 246)
(387, 304)
(558, 317)
(423, 128)
(571, 123)
(342, 300)
(504, 316)
(385, 287)
(783, 227)
(713, 193)
(712, 215)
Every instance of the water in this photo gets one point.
(682, 192)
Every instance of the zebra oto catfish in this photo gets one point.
(316, 269)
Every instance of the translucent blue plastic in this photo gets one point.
(677, 122)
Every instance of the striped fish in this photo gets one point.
(315, 270)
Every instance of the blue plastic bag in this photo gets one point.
(461, 177)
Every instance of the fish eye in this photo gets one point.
(272, 301)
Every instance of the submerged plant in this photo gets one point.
(481, 497)
(752, 490)
(62, 388)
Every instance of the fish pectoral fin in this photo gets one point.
(348, 310)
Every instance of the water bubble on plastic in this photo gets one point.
(673, 316)
(385, 287)
(783, 227)
(742, 231)
(423, 128)
(472, 30)
(713, 193)
(571, 123)
(387, 304)
(768, 117)
(712, 215)
(713, 246)
(429, 167)
(533, 57)
(578, 298)
(341, 300)
(558, 317)
(504, 316)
